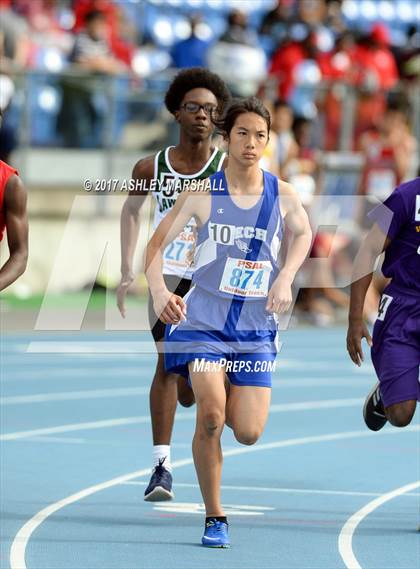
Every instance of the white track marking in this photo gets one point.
(346, 535)
(148, 347)
(124, 347)
(78, 375)
(275, 489)
(74, 395)
(59, 374)
(199, 508)
(18, 548)
(279, 408)
(92, 347)
(309, 405)
(60, 440)
(106, 424)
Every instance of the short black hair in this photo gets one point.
(281, 103)
(239, 107)
(299, 121)
(93, 15)
(195, 78)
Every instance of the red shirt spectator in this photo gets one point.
(375, 61)
(122, 49)
(287, 58)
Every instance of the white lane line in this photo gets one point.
(279, 408)
(148, 347)
(74, 373)
(345, 539)
(275, 489)
(131, 347)
(74, 395)
(79, 427)
(18, 548)
(309, 405)
(92, 347)
(60, 440)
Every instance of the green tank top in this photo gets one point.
(170, 182)
(168, 185)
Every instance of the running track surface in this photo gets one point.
(318, 491)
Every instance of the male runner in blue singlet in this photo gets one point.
(226, 325)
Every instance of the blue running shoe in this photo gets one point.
(160, 485)
(215, 534)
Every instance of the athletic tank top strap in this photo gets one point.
(238, 248)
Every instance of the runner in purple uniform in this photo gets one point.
(396, 335)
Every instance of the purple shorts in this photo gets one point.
(396, 345)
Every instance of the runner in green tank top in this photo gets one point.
(170, 184)
(193, 97)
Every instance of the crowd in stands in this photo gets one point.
(311, 61)
(298, 51)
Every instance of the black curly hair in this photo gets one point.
(195, 78)
(238, 107)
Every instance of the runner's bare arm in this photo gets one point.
(364, 264)
(295, 217)
(130, 226)
(186, 206)
(17, 231)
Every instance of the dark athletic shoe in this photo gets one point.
(373, 410)
(160, 485)
(215, 534)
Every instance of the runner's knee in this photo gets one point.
(212, 420)
(400, 414)
(248, 436)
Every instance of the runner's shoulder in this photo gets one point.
(14, 190)
(144, 169)
(286, 189)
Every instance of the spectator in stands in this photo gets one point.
(84, 103)
(312, 12)
(320, 303)
(390, 152)
(237, 57)
(376, 72)
(91, 49)
(391, 157)
(276, 22)
(120, 35)
(408, 56)
(302, 170)
(14, 39)
(334, 18)
(238, 30)
(286, 60)
(338, 67)
(191, 52)
(8, 131)
(287, 148)
(47, 34)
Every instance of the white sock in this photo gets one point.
(160, 452)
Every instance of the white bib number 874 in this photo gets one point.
(246, 278)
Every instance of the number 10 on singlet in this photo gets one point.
(246, 278)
